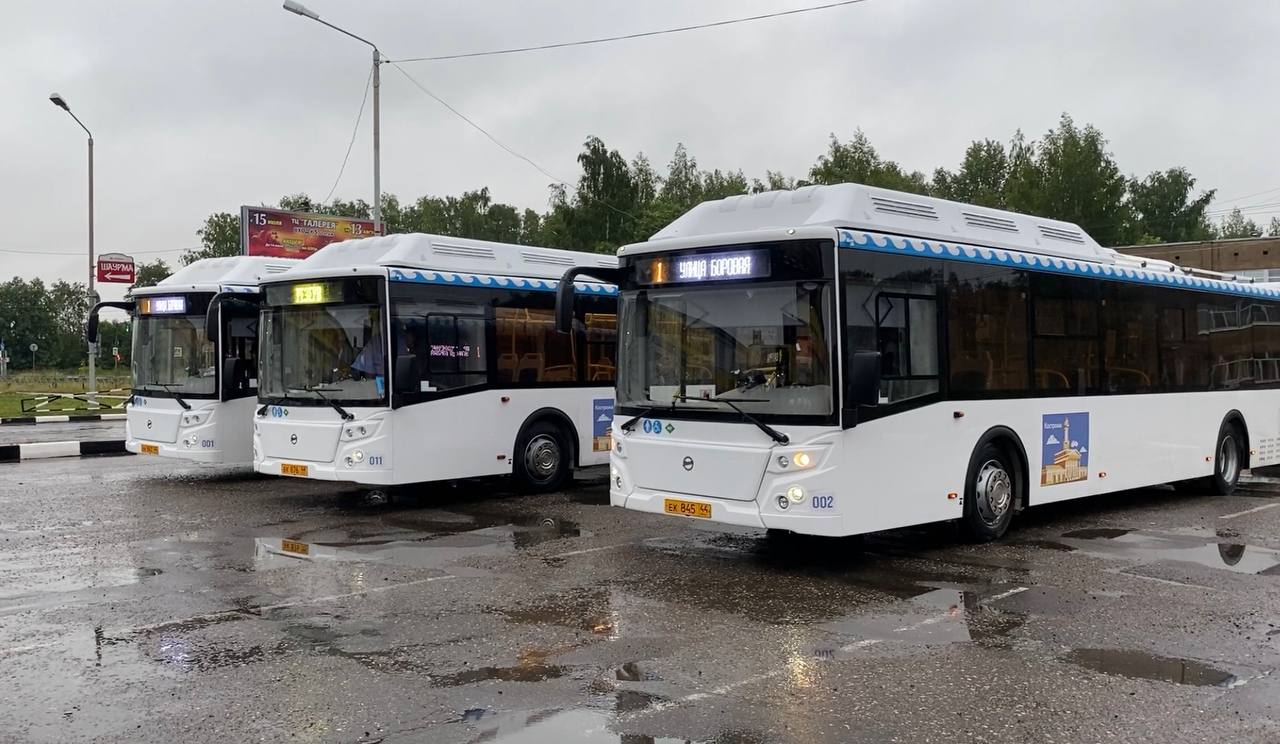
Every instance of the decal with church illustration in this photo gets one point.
(1064, 448)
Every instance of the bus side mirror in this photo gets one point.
(407, 375)
(233, 377)
(862, 379)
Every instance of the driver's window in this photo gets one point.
(891, 308)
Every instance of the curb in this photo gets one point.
(15, 420)
(41, 450)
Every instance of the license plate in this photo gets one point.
(295, 547)
(288, 468)
(699, 509)
(150, 449)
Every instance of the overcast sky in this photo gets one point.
(204, 105)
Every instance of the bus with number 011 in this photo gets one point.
(413, 358)
(193, 389)
(837, 360)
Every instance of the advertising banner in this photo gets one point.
(281, 234)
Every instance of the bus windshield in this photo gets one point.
(172, 355)
(323, 353)
(764, 346)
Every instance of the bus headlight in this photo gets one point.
(617, 478)
(358, 455)
(352, 432)
(783, 503)
(795, 494)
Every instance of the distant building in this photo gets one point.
(1258, 258)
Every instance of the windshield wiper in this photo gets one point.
(185, 406)
(316, 389)
(630, 423)
(773, 433)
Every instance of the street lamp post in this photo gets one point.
(305, 12)
(61, 103)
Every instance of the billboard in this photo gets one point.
(282, 234)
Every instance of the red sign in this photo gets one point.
(115, 267)
(275, 232)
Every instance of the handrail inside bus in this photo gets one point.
(211, 316)
(564, 292)
(91, 327)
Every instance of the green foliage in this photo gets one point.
(1166, 211)
(219, 237)
(50, 316)
(1068, 174)
(1274, 230)
(150, 274)
(1236, 225)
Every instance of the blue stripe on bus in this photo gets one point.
(497, 282)
(865, 241)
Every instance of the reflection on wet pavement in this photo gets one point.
(1142, 665)
(1152, 546)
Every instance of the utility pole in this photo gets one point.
(61, 103)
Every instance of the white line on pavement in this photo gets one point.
(1250, 511)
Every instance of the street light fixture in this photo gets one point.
(305, 12)
(61, 103)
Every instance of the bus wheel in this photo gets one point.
(1228, 460)
(542, 458)
(989, 494)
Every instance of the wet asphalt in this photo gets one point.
(146, 601)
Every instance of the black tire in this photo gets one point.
(542, 458)
(1228, 460)
(991, 489)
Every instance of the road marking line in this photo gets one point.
(584, 551)
(1250, 511)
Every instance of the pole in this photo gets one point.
(377, 143)
(93, 372)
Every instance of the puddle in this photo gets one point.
(420, 543)
(1149, 547)
(942, 616)
(582, 609)
(1042, 545)
(1142, 665)
(573, 726)
(535, 672)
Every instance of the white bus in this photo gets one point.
(838, 360)
(414, 358)
(194, 386)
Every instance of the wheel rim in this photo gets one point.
(542, 457)
(993, 492)
(1228, 460)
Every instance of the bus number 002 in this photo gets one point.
(824, 502)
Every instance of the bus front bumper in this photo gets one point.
(726, 511)
(174, 450)
(326, 471)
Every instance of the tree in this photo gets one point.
(856, 161)
(1236, 225)
(219, 237)
(150, 274)
(1070, 176)
(981, 178)
(1274, 230)
(1166, 211)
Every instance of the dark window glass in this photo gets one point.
(442, 339)
(602, 345)
(1130, 329)
(987, 323)
(891, 307)
(1066, 334)
(530, 350)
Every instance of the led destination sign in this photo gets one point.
(162, 305)
(704, 267)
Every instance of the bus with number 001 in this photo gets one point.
(837, 360)
(414, 358)
(194, 359)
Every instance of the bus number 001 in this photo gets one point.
(824, 502)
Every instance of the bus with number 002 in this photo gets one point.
(194, 359)
(837, 360)
(414, 358)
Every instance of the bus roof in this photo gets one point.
(445, 253)
(220, 274)
(855, 206)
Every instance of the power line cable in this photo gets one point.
(474, 125)
(354, 130)
(1247, 196)
(626, 37)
